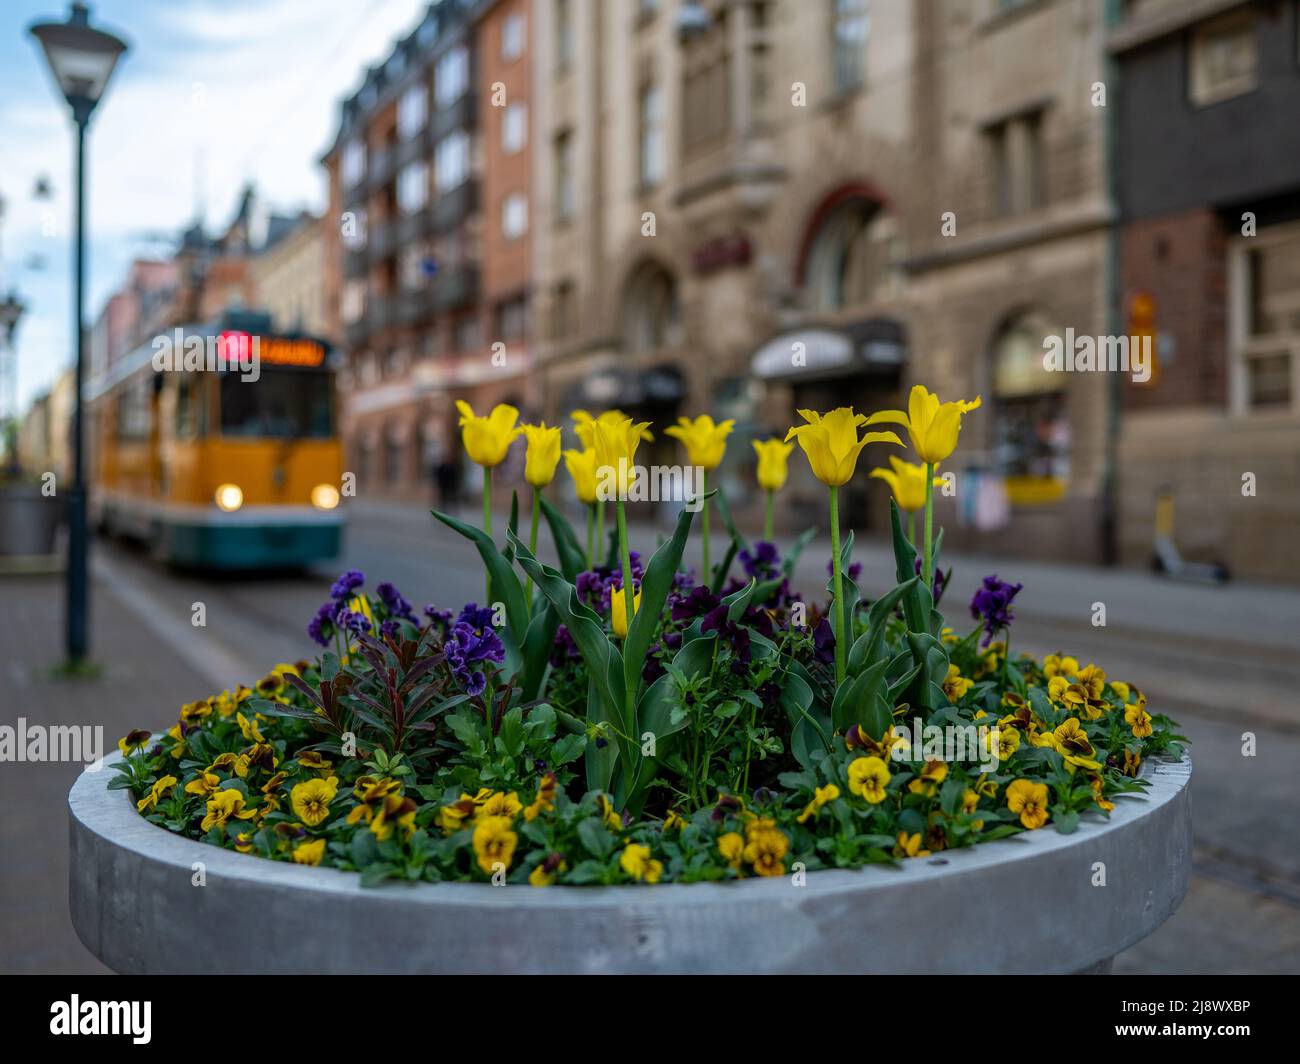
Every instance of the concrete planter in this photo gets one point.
(28, 521)
(1025, 904)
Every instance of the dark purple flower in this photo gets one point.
(940, 580)
(351, 621)
(698, 603)
(991, 604)
(347, 583)
(761, 563)
(824, 642)
(390, 629)
(393, 600)
(473, 640)
(439, 619)
(852, 572)
(734, 635)
(321, 628)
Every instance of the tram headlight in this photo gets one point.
(229, 497)
(324, 496)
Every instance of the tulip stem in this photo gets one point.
(704, 529)
(487, 520)
(601, 551)
(591, 535)
(532, 543)
(769, 508)
(928, 566)
(840, 635)
(629, 597)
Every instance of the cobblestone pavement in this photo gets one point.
(1219, 659)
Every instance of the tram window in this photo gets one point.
(281, 404)
(187, 408)
(132, 408)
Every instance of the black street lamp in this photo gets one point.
(81, 58)
(11, 310)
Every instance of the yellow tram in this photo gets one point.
(218, 445)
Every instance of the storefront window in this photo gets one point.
(1032, 426)
(850, 257)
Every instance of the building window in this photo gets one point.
(353, 302)
(1224, 58)
(413, 186)
(563, 34)
(451, 77)
(851, 257)
(353, 166)
(1017, 163)
(514, 127)
(651, 315)
(513, 32)
(511, 319)
(451, 161)
(1267, 329)
(566, 202)
(1031, 427)
(850, 25)
(651, 137)
(465, 334)
(354, 229)
(412, 110)
(514, 216)
(414, 264)
(564, 311)
(707, 89)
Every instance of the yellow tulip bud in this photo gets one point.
(773, 463)
(543, 454)
(615, 447)
(487, 439)
(907, 479)
(932, 426)
(706, 442)
(832, 445)
(618, 610)
(582, 422)
(582, 468)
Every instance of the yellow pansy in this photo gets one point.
(543, 454)
(765, 851)
(832, 444)
(1121, 691)
(1029, 799)
(1059, 665)
(927, 783)
(933, 427)
(909, 845)
(868, 777)
(732, 847)
(955, 685)
(773, 463)
(615, 444)
(907, 481)
(1008, 741)
(309, 853)
(204, 783)
(311, 800)
(394, 811)
(619, 610)
(157, 792)
(222, 806)
(546, 872)
(500, 804)
(494, 842)
(545, 800)
(1137, 718)
(136, 739)
(705, 440)
(488, 439)
(822, 796)
(636, 861)
(582, 468)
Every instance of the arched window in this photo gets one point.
(651, 315)
(851, 257)
(1032, 426)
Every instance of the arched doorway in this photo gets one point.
(1031, 440)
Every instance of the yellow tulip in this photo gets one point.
(907, 480)
(582, 422)
(615, 444)
(706, 442)
(618, 610)
(832, 445)
(487, 439)
(932, 426)
(582, 467)
(773, 463)
(543, 454)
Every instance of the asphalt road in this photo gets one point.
(1220, 660)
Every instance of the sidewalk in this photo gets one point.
(138, 685)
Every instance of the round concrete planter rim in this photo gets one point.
(105, 823)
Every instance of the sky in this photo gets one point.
(211, 94)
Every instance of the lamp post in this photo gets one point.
(11, 309)
(81, 58)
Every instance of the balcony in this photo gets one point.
(451, 208)
(383, 167)
(454, 287)
(355, 263)
(459, 115)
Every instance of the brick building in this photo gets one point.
(1208, 177)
